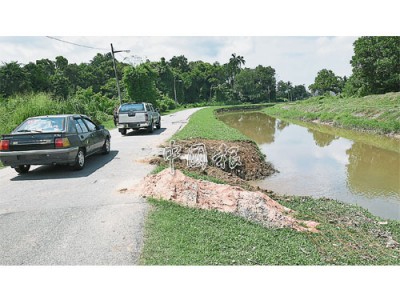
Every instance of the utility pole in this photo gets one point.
(115, 70)
(176, 101)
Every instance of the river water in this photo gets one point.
(321, 161)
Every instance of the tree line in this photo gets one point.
(376, 69)
(166, 83)
(176, 80)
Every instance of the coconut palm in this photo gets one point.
(234, 67)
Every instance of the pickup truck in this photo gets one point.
(136, 116)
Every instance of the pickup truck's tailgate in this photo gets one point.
(132, 117)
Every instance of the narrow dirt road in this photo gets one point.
(54, 216)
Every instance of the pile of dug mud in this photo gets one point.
(254, 206)
(252, 162)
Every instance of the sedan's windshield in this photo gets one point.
(132, 107)
(45, 124)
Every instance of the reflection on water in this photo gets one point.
(254, 125)
(372, 170)
(318, 161)
(322, 139)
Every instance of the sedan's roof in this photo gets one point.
(58, 116)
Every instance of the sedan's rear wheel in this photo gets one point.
(22, 169)
(79, 160)
(106, 146)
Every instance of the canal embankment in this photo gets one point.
(177, 235)
(374, 113)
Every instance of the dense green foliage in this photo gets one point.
(376, 69)
(349, 235)
(325, 82)
(59, 78)
(285, 91)
(140, 83)
(256, 85)
(376, 65)
(379, 113)
(18, 108)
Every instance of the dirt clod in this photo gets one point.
(254, 206)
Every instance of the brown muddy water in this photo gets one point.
(322, 161)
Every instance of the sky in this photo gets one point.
(297, 59)
(296, 38)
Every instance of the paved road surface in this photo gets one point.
(54, 216)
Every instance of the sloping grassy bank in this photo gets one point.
(376, 113)
(349, 235)
(204, 124)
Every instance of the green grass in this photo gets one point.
(20, 107)
(109, 124)
(183, 236)
(177, 235)
(378, 113)
(204, 124)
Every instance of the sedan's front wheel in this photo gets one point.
(79, 160)
(22, 169)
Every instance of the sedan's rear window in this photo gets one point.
(45, 124)
(132, 107)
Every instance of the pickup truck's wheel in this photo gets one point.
(22, 169)
(150, 129)
(106, 146)
(158, 125)
(79, 160)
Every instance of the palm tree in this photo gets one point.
(234, 66)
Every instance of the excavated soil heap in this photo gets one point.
(254, 206)
(253, 165)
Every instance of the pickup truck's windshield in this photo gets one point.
(132, 107)
(45, 124)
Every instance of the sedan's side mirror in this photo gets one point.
(101, 126)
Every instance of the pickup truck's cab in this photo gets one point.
(137, 116)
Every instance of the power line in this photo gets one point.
(54, 38)
(136, 59)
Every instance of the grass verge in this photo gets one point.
(377, 113)
(177, 235)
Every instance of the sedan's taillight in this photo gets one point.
(61, 142)
(4, 145)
